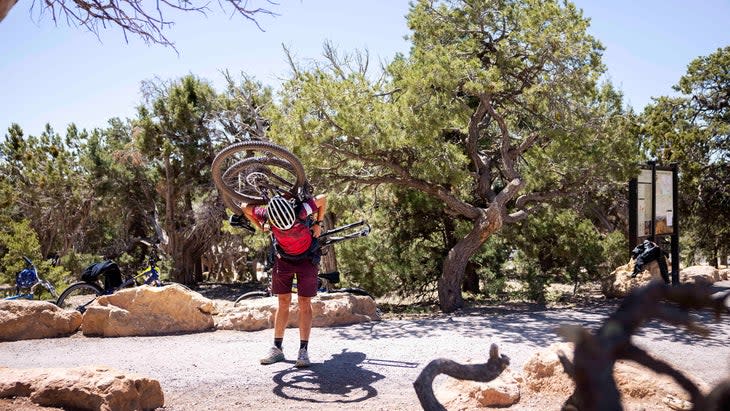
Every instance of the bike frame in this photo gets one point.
(326, 240)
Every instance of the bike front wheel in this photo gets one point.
(78, 296)
(252, 171)
(253, 295)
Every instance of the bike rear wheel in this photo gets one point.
(252, 295)
(78, 296)
(253, 171)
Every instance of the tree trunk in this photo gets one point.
(449, 285)
(471, 279)
(5, 6)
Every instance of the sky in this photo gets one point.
(56, 74)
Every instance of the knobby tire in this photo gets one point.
(78, 294)
(275, 156)
(252, 295)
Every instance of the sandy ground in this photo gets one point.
(364, 366)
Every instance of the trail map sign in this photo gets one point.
(653, 213)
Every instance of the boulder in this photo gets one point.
(503, 391)
(724, 274)
(699, 274)
(148, 310)
(620, 284)
(28, 319)
(328, 309)
(87, 388)
(640, 386)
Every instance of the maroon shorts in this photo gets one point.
(283, 276)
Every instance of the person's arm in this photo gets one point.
(321, 202)
(248, 211)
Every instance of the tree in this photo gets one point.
(174, 132)
(133, 17)
(178, 131)
(51, 190)
(495, 112)
(693, 130)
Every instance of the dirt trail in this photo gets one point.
(365, 366)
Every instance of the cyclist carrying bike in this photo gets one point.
(295, 227)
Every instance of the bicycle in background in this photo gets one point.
(82, 293)
(28, 281)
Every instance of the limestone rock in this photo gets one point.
(699, 274)
(27, 319)
(148, 310)
(95, 388)
(724, 274)
(328, 309)
(620, 284)
(503, 391)
(544, 373)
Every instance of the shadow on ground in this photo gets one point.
(340, 380)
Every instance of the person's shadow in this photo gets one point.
(340, 379)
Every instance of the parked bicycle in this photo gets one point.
(29, 284)
(326, 282)
(82, 293)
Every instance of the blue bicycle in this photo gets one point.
(27, 283)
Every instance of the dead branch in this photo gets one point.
(596, 354)
(139, 18)
(474, 372)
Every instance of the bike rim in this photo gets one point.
(78, 297)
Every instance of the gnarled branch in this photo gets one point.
(596, 354)
(474, 372)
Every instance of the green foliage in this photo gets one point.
(693, 130)
(560, 246)
(497, 106)
(49, 187)
(17, 239)
(490, 263)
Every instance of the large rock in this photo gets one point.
(83, 388)
(26, 319)
(503, 391)
(724, 274)
(638, 385)
(148, 310)
(620, 284)
(328, 309)
(699, 274)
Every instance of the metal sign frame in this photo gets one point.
(655, 185)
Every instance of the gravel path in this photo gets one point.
(365, 366)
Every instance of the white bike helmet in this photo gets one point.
(281, 213)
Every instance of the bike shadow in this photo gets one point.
(339, 380)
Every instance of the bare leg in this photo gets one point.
(281, 318)
(305, 317)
